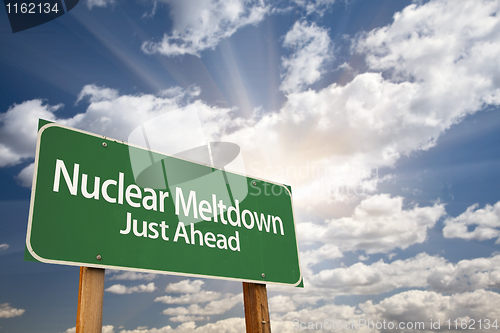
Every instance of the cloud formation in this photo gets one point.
(421, 271)
(200, 25)
(6, 311)
(193, 294)
(185, 286)
(201, 296)
(378, 224)
(315, 6)
(414, 306)
(486, 223)
(18, 130)
(99, 3)
(230, 325)
(311, 49)
(121, 289)
(216, 307)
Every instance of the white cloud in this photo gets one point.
(6, 311)
(216, 307)
(310, 258)
(364, 258)
(422, 271)
(184, 318)
(200, 25)
(185, 287)
(132, 276)
(4, 246)
(281, 303)
(315, 6)
(230, 325)
(198, 297)
(440, 42)
(121, 289)
(422, 306)
(486, 222)
(25, 177)
(378, 277)
(407, 307)
(311, 49)
(108, 329)
(378, 224)
(18, 130)
(466, 275)
(99, 3)
(97, 94)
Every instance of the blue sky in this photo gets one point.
(389, 108)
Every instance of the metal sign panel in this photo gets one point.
(88, 208)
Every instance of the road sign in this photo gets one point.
(88, 208)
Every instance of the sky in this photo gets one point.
(380, 114)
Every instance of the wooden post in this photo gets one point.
(90, 296)
(256, 308)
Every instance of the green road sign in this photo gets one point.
(100, 202)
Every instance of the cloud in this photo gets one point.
(185, 286)
(18, 130)
(97, 94)
(315, 6)
(203, 24)
(99, 3)
(6, 311)
(121, 289)
(311, 49)
(378, 277)
(421, 271)
(414, 306)
(310, 258)
(230, 325)
(216, 307)
(440, 42)
(25, 177)
(378, 224)
(4, 247)
(422, 306)
(466, 275)
(197, 297)
(486, 222)
(192, 295)
(281, 303)
(184, 318)
(132, 276)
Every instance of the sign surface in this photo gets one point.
(89, 208)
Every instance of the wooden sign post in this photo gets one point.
(256, 308)
(90, 298)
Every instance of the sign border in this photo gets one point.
(72, 263)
